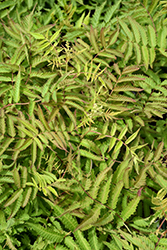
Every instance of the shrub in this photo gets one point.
(82, 106)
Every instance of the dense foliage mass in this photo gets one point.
(83, 136)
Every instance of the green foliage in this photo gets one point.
(82, 130)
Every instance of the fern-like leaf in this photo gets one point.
(129, 210)
(93, 239)
(67, 219)
(46, 233)
(96, 17)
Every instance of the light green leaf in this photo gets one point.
(143, 34)
(111, 11)
(14, 197)
(55, 35)
(152, 36)
(113, 37)
(126, 29)
(130, 78)
(37, 35)
(93, 40)
(6, 4)
(129, 210)
(137, 52)
(5, 79)
(134, 29)
(90, 155)
(145, 56)
(158, 151)
(132, 137)
(28, 125)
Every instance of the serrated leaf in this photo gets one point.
(115, 52)
(42, 118)
(23, 177)
(158, 151)
(90, 145)
(105, 219)
(145, 56)
(130, 78)
(55, 35)
(102, 38)
(122, 133)
(99, 60)
(129, 210)
(12, 33)
(137, 52)
(14, 197)
(132, 137)
(152, 36)
(90, 155)
(134, 29)
(104, 191)
(60, 80)
(143, 35)
(126, 29)
(16, 177)
(27, 92)
(113, 37)
(90, 219)
(25, 145)
(6, 179)
(70, 114)
(152, 6)
(112, 143)
(28, 125)
(37, 35)
(27, 132)
(10, 243)
(5, 145)
(126, 88)
(75, 105)
(128, 52)
(96, 16)
(119, 173)
(58, 142)
(52, 190)
(6, 4)
(4, 89)
(46, 233)
(11, 128)
(16, 206)
(93, 40)
(116, 68)
(107, 55)
(2, 122)
(67, 219)
(121, 98)
(118, 146)
(83, 243)
(3, 223)
(152, 56)
(26, 196)
(130, 69)
(115, 194)
(110, 12)
(161, 181)
(5, 195)
(5, 79)
(94, 73)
